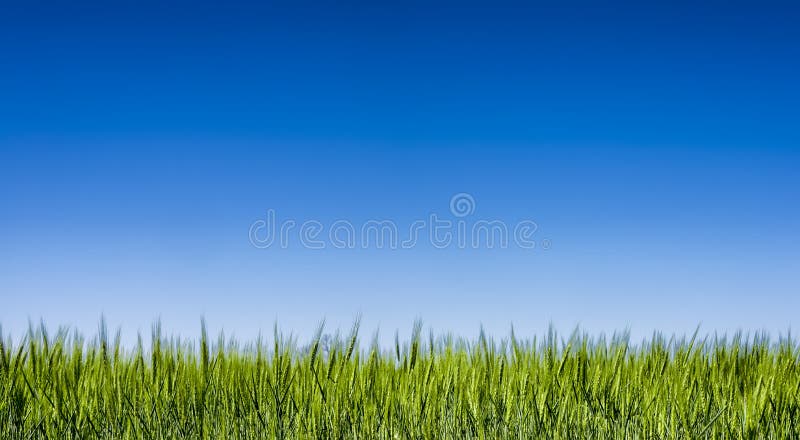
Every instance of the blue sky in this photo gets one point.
(655, 146)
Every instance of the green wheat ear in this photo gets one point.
(353, 338)
(4, 360)
(315, 342)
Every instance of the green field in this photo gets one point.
(61, 386)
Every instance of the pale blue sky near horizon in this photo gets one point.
(655, 146)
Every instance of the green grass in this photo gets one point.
(60, 386)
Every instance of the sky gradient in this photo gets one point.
(656, 147)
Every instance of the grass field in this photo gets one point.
(61, 386)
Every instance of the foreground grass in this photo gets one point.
(60, 386)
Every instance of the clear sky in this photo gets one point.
(656, 147)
